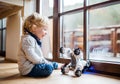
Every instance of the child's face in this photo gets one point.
(40, 32)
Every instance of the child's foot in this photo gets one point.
(55, 65)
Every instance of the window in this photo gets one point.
(91, 25)
(2, 36)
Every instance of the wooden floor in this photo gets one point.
(9, 74)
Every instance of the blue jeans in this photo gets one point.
(43, 70)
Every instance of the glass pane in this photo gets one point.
(110, 17)
(104, 31)
(71, 31)
(4, 23)
(47, 42)
(95, 1)
(4, 39)
(66, 5)
(47, 7)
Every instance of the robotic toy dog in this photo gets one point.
(77, 64)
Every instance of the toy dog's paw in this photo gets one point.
(78, 73)
(64, 69)
(88, 64)
(86, 68)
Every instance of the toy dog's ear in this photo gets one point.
(77, 51)
(61, 50)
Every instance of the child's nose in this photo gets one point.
(45, 33)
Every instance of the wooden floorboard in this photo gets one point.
(9, 74)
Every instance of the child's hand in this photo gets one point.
(60, 66)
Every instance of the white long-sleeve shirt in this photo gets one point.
(29, 54)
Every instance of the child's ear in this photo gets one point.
(34, 27)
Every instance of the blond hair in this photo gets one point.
(34, 19)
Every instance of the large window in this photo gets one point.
(91, 25)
